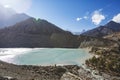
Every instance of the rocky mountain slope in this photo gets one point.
(41, 33)
(101, 31)
(89, 42)
(114, 36)
(36, 33)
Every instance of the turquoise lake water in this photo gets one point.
(44, 56)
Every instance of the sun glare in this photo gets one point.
(17, 5)
(7, 6)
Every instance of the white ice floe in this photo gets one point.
(8, 54)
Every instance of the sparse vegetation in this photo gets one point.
(108, 63)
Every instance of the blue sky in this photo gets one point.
(72, 15)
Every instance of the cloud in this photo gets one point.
(97, 17)
(116, 18)
(85, 17)
(78, 19)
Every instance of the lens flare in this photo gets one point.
(18, 5)
(7, 6)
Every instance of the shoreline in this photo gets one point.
(30, 68)
(17, 73)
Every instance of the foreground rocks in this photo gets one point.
(29, 72)
(7, 78)
(106, 61)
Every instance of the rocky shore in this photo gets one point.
(29, 72)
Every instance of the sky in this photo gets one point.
(71, 15)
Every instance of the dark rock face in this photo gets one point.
(101, 31)
(36, 33)
(65, 40)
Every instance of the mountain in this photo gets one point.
(114, 36)
(76, 33)
(36, 33)
(41, 33)
(101, 31)
(10, 17)
(90, 42)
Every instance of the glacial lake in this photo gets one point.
(44, 56)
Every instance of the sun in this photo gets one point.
(19, 6)
(7, 6)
